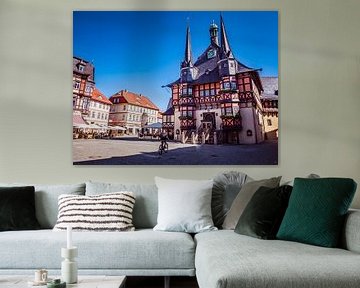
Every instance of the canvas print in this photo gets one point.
(175, 88)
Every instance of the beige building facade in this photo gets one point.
(132, 111)
(99, 109)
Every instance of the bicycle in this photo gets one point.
(163, 147)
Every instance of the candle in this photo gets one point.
(69, 237)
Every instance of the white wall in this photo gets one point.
(319, 90)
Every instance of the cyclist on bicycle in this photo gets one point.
(163, 138)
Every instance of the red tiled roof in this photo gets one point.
(99, 97)
(134, 99)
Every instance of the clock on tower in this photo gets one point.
(211, 53)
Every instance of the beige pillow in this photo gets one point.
(243, 198)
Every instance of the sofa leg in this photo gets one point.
(167, 282)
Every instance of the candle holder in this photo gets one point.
(69, 271)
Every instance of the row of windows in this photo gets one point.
(133, 108)
(138, 109)
(99, 115)
(228, 109)
(168, 118)
(100, 105)
(136, 118)
(211, 89)
(188, 91)
(88, 88)
(81, 103)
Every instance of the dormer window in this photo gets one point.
(81, 68)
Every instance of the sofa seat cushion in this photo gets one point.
(226, 259)
(142, 249)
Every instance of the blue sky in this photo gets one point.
(142, 51)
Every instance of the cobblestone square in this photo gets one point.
(132, 151)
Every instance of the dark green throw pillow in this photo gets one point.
(316, 211)
(263, 214)
(17, 208)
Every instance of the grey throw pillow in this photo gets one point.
(146, 205)
(242, 199)
(226, 187)
(184, 205)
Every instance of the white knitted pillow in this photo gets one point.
(105, 212)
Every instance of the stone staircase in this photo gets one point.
(200, 136)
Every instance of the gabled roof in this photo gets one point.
(99, 97)
(169, 111)
(134, 99)
(88, 67)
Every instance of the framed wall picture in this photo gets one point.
(175, 88)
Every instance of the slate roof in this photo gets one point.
(88, 68)
(169, 111)
(270, 85)
(100, 97)
(134, 99)
(207, 70)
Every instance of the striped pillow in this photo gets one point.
(105, 212)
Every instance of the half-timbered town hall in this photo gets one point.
(216, 99)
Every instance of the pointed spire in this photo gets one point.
(188, 56)
(225, 47)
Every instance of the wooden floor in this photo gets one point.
(158, 282)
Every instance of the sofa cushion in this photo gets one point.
(105, 212)
(225, 259)
(146, 205)
(46, 200)
(184, 205)
(263, 215)
(137, 250)
(17, 208)
(243, 198)
(226, 187)
(317, 209)
(350, 239)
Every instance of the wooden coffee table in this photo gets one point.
(84, 281)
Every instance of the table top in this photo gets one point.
(84, 281)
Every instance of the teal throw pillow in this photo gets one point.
(316, 211)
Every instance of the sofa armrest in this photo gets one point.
(351, 234)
